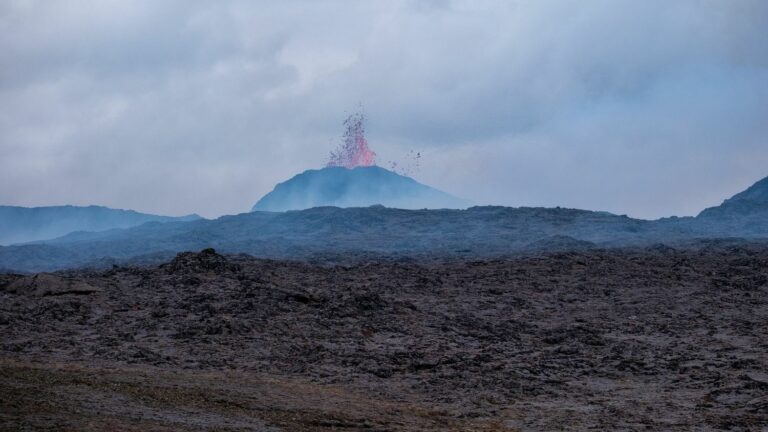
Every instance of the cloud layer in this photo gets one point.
(647, 108)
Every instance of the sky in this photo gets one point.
(648, 108)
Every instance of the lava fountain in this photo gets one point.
(353, 151)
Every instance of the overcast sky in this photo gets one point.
(646, 108)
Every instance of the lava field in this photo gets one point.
(625, 339)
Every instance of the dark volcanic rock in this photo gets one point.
(45, 284)
(560, 243)
(204, 261)
(639, 339)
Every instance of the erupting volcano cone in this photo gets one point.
(357, 187)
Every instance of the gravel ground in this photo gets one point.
(651, 339)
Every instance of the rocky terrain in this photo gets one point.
(651, 338)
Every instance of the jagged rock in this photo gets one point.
(560, 243)
(204, 261)
(46, 284)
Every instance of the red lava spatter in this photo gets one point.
(354, 151)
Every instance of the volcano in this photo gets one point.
(361, 186)
(351, 178)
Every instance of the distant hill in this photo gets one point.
(746, 211)
(356, 187)
(325, 232)
(333, 234)
(753, 201)
(26, 224)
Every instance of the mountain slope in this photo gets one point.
(746, 212)
(750, 202)
(25, 224)
(357, 187)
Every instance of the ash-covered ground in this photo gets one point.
(643, 339)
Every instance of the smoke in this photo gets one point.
(353, 151)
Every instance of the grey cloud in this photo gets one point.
(647, 108)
